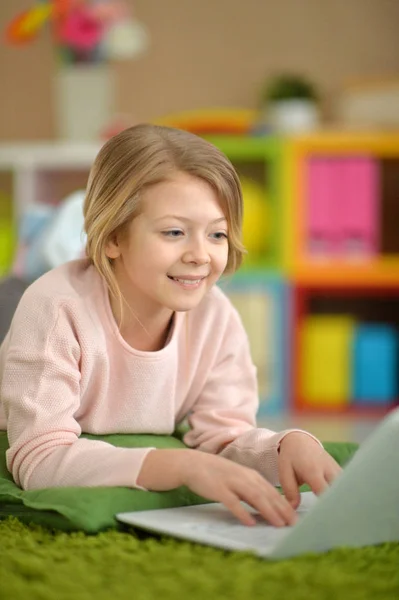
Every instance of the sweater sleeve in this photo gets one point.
(223, 419)
(40, 392)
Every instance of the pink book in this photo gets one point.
(321, 214)
(358, 208)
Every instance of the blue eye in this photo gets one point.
(219, 235)
(172, 233)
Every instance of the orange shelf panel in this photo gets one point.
(383, 144)
(381, 272)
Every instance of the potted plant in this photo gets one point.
(290, 103)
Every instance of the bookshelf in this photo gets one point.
(341, 256)
(296, 276)
(380, 151)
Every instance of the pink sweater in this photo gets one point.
(65, 369)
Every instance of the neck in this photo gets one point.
(146, 332)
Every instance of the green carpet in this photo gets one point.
(36, 564)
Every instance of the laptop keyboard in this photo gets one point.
(230, 529)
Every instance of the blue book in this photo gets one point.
(375, 364)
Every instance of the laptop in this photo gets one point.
(360, 508)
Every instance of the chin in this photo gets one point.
(184, 306)
(180, 307)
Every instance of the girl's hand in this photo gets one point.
(217, 479)
(225, 481)
(302, 460)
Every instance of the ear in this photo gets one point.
(112, 248)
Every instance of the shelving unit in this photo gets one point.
(263, 301)
(378, 269)
(45, 172)
(259, 291)
(356, 179)
(307, 266)
(36, 173)
(260, 160)
(326, 323)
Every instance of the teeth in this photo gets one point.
(188, 281)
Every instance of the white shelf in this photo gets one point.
(47, 155)
(35, 166)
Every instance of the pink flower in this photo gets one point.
(109, 12)
(80, 30)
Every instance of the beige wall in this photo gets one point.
(207, 53)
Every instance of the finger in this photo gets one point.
(273, 507)
(317, 482)
(289, 484)
(286, 510)
(283, 507)
(332, 473)
(232, 502)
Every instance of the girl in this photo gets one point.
(136, 337)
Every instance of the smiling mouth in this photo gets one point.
(188, 281)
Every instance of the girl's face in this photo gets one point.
(175, 250)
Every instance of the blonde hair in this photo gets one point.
(142, 156)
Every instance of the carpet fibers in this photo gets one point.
(37, 564)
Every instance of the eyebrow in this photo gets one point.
(219, 220)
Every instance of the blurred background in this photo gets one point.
(303, 96)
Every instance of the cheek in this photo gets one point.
(221, 258)
(157, 258)
(149, 249)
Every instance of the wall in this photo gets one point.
(208, 53)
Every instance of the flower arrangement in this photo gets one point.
(84, 31)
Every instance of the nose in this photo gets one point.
(197, 253)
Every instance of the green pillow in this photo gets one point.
(93, 509)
